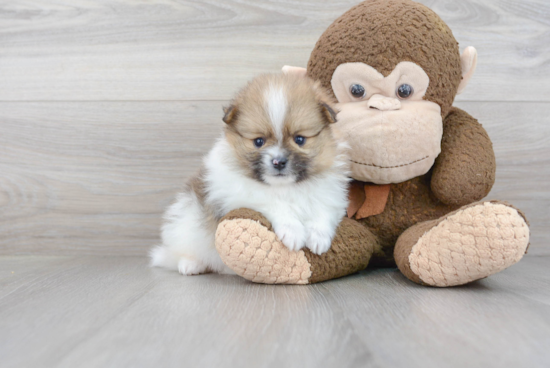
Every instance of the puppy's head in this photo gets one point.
(279, 128)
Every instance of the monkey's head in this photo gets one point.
(395, 69)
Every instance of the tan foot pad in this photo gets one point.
(253, 252)
(470, 244)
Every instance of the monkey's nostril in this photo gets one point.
(383, 103)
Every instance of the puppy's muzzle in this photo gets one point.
(279, 163)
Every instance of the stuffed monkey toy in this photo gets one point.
(419, 165)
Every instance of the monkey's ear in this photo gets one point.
(230, 114)
(294, 70)
(468, 61)
(328, 112)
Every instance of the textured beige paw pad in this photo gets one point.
(255, 253)
(469, 245)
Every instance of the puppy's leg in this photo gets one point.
(291, 232)
(320, 232)
(187, 239)
(288, 227)
(319, 238)
(188, 266)
(161, 256)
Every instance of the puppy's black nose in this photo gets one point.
(279, 163)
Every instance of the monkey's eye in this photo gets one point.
(404, 91)
(258, 142)
(300, 141)
(357, 90)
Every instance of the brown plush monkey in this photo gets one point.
(419, 165)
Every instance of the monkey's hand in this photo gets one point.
(247, 244)
(464, 172)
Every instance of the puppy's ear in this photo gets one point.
(328, 112)
(230, 114)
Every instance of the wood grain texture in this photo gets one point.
(115, 312)
(85, 172)
(106, 107)
(205, 50)
(94, 177)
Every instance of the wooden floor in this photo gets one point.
(89, 311)
(107, 106)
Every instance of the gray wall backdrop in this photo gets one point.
(107, 106)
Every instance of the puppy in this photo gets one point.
(277, 156)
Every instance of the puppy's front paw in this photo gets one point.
(293, 236)
(319, 241)
(189, 267)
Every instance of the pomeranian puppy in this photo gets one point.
(277, 156)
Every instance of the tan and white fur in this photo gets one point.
(277, 156)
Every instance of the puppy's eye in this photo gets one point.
(300, 141)
(258, 142)
(404, 91)
(357, 90)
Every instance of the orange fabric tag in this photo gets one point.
(375, 202)
(356, 197)
(367, 199)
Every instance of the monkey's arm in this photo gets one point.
(464, 172)
(247, 244)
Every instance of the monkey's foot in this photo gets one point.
(247, 244)
(469, 244)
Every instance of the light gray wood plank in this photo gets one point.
(201, 50)
(94, 178)
(532, 285)
(49, 305)
(17, 273)
(115, 312)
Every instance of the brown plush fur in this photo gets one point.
(465, 170)
(343, 258)
(382, 33)
(351, 250)
(414, 200)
